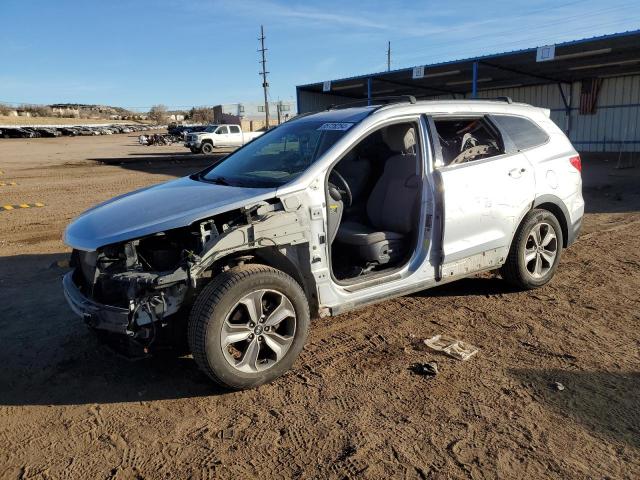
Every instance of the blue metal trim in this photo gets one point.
(369, 85)
(298, 100)
(482, 57)
(474, 83)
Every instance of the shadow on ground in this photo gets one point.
(468, 287)
(605, 402)
(607, 188)
(169, 163)
(49, 357)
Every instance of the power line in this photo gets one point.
(265, 84)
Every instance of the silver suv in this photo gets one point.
(326, 213)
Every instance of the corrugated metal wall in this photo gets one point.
(614, 127)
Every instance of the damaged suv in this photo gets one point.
(323, 214)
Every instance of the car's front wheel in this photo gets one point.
(535, 251)
(207, 148)
(248, 326)
(194, 150)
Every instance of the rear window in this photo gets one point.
(522, 131)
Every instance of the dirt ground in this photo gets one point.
(70, 408)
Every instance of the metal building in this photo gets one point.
(591, 86)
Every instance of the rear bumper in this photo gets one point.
(574, 231)
(96, 315)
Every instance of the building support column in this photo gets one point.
(474, 82)
(369, 85)
(567, 109)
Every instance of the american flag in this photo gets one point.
(589, 95)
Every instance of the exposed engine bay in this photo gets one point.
(134, 287)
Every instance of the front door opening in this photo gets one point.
(373, 196)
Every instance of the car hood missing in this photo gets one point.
(174, 204)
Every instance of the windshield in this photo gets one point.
(210, 128)
(278, 156)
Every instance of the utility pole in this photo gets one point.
(389, 56)
(263, 73)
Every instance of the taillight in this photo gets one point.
(576, 162)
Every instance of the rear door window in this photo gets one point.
(467, 139)
(522, 131)
(234, 129)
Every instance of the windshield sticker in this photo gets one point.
(341, 127)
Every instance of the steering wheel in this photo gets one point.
(345, 191)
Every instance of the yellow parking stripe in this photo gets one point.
(22, 205)
(7, 184)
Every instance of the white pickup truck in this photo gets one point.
(215, 136)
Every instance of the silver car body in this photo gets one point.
(469, 212)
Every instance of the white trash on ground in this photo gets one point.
(452, 347)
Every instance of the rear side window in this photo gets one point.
(467, 139)
(234, 129)
(522, 131)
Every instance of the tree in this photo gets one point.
(201, 115)
(158, 113)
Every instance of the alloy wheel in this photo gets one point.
(258, 331)
(540, 250)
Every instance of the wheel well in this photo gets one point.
(294, 262)
(559, 214)
(207, 140)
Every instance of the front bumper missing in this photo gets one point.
(96, 315)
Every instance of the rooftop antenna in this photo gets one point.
(263, 73)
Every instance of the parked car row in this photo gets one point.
(72, 131)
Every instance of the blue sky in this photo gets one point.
(204, 52)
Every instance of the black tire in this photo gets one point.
(516, 270)
(195, 150)
(207, 148)
(218, 300)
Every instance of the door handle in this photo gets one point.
(516, 172)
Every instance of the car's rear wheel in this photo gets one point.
(535, 251)
(207, 148)
(248, 326)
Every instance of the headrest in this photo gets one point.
(399, 138)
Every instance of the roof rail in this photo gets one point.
(505, 99)
(375, 100)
